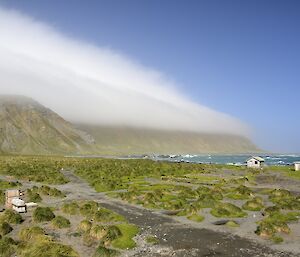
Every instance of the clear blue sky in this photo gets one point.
(239, 57)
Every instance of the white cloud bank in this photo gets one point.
(90, 84)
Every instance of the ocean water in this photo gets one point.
(278, 159)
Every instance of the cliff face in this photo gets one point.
(27, 127)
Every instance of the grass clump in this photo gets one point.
(46, 248)
(34, 243)
(7, 184)
(240, 193)
(33, 196)
(70, 208)
(284, 199)
(89, 208)
(276, 222)
(232, 224)
(61, 222)
(152, 240)
(196, 217)
(98, 232)
(7, 247)
(227, 210)
(51, 191)
(5, 228)
(11, 216)
(42, 214)
(31, 233)
(102, 251)
(255, 204)
(125, 241)
(85, 226)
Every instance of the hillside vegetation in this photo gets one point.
(27, 127)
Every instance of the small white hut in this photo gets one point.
(255, 162)
(18, 205)
(297, 166)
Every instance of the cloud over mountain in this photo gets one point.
(91, 84)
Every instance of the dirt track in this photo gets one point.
(176, 238)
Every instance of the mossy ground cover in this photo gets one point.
(125, 241)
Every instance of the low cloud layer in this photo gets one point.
(90, 84)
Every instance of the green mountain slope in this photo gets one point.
(26, 127)
(126, 140)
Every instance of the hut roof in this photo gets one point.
(260, 159)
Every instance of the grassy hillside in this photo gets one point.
(125, 140)
(29, 128)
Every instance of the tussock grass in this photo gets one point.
(227, 210)
(60, 222)
(11, 216)
(196, 217)
(255, 204)
(85, 226)
(42, 214)
(5, 228)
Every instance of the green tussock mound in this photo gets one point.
(31, 233)
(11, 216)
(7, 247)
(33, 196)
(60, 222)
(34, 243)
(284, 199)
(276, 222)
(70, 208)
(5, 228)
(232, 224)
(195, 217)
(98, 232)
(240, 193)
(256, 204)
(152, 240)
(227, 210)
(84, 226)
(42, 214)
(102, 251)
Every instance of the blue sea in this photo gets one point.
(276, 159)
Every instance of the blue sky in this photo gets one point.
(238, 57)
